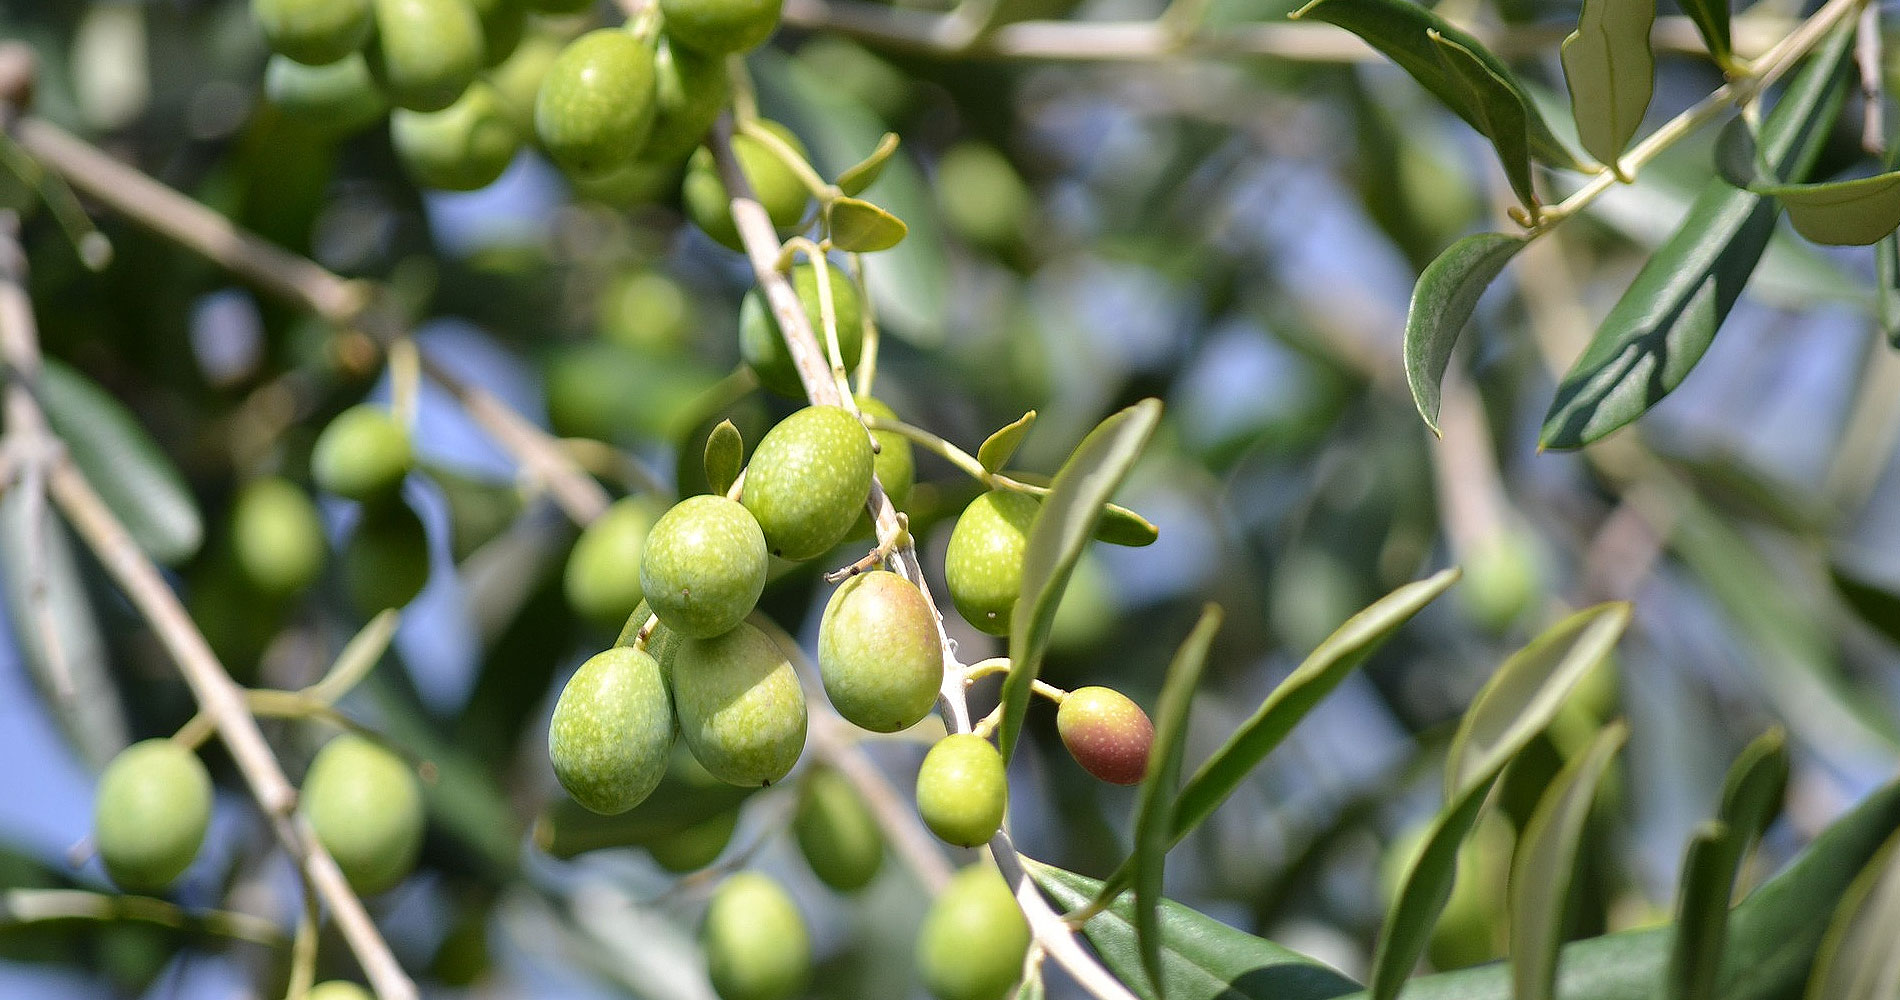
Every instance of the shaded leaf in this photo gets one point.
(1752, 792)
(1499, 109)
(1611, 73)
(725, 457)
(1750, 797)
(862, 227)
(1711, 19)
(997, 449)
(1063, 524)
(1857, 958)
(1856, 212)
(1887, 286)
(1442, 303)
(1424, 890)
(1546, 862)
(861, 174)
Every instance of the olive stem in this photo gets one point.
(984, 668)
(303, 947)
(601, 459)
(877, 555)
(28, 906)
(828, 313)
(820, 188)
(405, 382)
(867, 322)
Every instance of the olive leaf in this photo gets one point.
(1711, 19)
(1118, 526)
(860, 175)
(1665, 321)
(1499, 109)
(1000, 447)
(1857, 958)
(1424, 890)
(1154, 803)
(1856, 212)
(1546, 862)
(1063, 524)
(1442, 302)
(861, 227)
(1611, 73)
(725, 457)
(1887, 286)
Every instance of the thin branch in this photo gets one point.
(29, 906)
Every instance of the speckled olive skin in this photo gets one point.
(1106, 733)
(984, 562)
(463, 147)
(717, 27)
(878, 652)
(973, 939)
(596, 101)
(612, 730)
(763, 346)
(362, 454)
(425, 52)
(150, 816)
(690, 89)
(338, 989)
(602, 579)
(366, 808)
(962, 790)
(807, 481)
(837, 833)
(697, 846)
(740, 707)
(704, 566)
(338, 97)
(773, 183)
(386, 561)
(276, 536)
(757, 945)
(313, 32)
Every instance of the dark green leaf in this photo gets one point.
(725, 456)
(1546, 862)
(862, 227)
(1611, 73)
(1887, 286)
(123, 463)
(1442, 302)
(997, 449)
(1750, 797)
(1201, 958)
(1662, 325)
(1067, 518)
(1857, 958)
(1154, 805)
(860, 175)
(1711, 19)
(1121, 526)
(1498, 108)
(1424, 890)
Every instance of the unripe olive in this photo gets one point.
(503, 23)
(612, 730)
(757, 945)
(150, 816)
(740, 707)
(808, 479)
(386, 562)
(339, 97)
(981, 196)
(363, 454)
(366, 808)
(896, 467)
(690, 89)
(313, 32)
(984, 562)
(563, 6)
(518, 79)
(646, 311)
(1106, 733)
(962, 789)
(704, 566)
(596, 101)
(837, 833)
(878, 652)
(463, 147)
(603, 570)
(661, 641)
(629, 185)
(974, 938)
(697, 846)
(276, 535)
(1501, 578)
(762, 345)
(425, 52)
(338, 989)
(717, 27)
(775, 185)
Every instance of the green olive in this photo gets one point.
(962, 790)
(879, 654)
(463, 147)
(563, 6)
(277, 536)
(646, 311)
(1106, 733)
(690, 91)
(363, 454)
(603, 570)
(504, 22)
(757, 946)
(313, 32)
(896, 467)
(981, 196)
(366, 808)
(984, 562)
(518, 78)
(338, 97)
(386, 561)
(149, 819)
(697, 846)
(1501, 578)
(741, 709)
(837, 833)
(704, 566)
(337, 989)
(974, 938)
(425, 52)
(629, 185)
(596, 102)
(612, 731)
(807, 481)
(775, 185)
(762, 345)
(717, 27)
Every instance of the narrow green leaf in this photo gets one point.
(997, 449)
(1887, 286)
(1662, 325)
(861, 174)
(1442, 303)
(123, 463)
(1751, 795)
(1201, 958)
(862, 227)
(1499, 109)
(1546, 862)
(725, 457)
(1402, 30)
(1424, 890)
(1519, 700)
(1711, 19)
(1857, 958)
(1842, 213)
(1121, 526)
(1154, 805)
(1611, 73)
(1062, 527)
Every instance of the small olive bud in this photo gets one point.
(1106, 733)
(963, 790)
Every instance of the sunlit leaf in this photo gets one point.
(1611, 73)
(1750, 797)
(1121, 526)
(1857, 958)
(725, 456)
(1546, 862)
(862, 227)
(1842, 213)
(997, 449)
(1442, 303)
(860, 175)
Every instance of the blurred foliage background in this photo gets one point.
(1237, 236)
